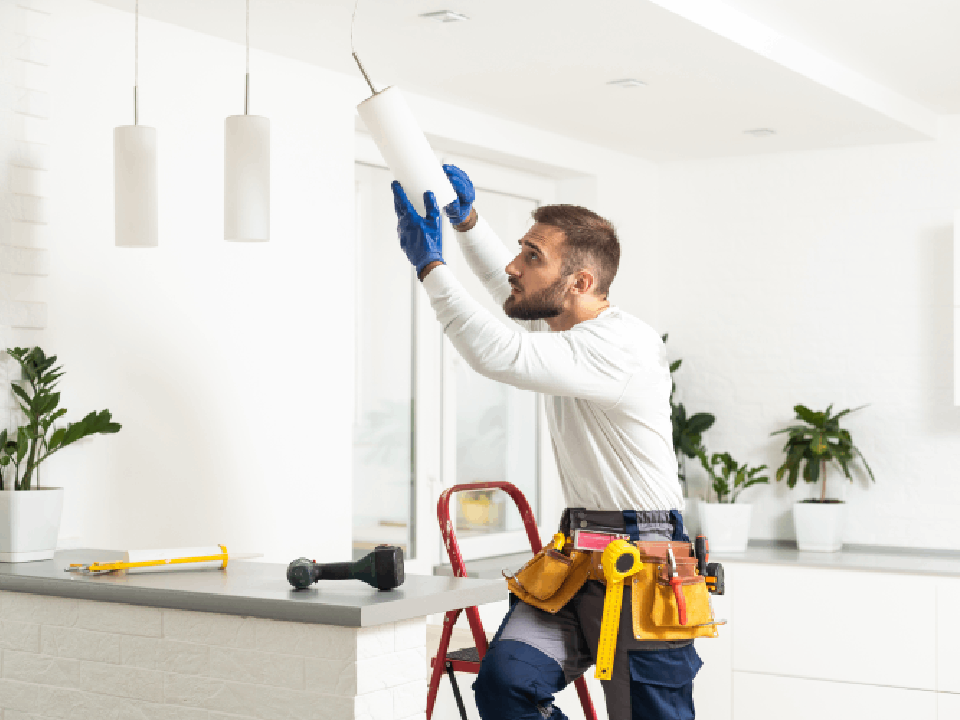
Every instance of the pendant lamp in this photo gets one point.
(401, 141)
(246, 171)
(135, 169)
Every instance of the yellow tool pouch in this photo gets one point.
(550, 579)
(655, 612)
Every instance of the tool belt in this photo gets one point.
(670, 600)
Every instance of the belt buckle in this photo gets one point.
(595, 540)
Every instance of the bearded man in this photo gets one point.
(606, 383)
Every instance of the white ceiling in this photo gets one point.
(822, 73)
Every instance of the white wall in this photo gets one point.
(231, 366)
(816, 278)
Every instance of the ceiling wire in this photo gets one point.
(246, 89)
(353, 50)
(136, 61)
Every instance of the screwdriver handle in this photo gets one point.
(701, 549)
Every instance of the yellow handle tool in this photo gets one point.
(100, 567)
(620, 560)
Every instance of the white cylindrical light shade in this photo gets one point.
(405, 149)
(135, 185)
(246, 179)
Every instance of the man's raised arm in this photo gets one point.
(484, 252)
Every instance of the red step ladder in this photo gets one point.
(468, 659)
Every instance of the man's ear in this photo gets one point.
(584, 282)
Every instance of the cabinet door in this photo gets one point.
(861, 627)
(762, 697)
(948, 706)
(713, 687)
(948, 636)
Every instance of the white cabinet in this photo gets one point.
(762, 697)
(713, 686)
(856, 627)
(948, 636)
(948, 706)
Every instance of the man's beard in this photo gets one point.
(547, 303)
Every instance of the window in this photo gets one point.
(424, 419)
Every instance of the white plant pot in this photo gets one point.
(819, 526)
(29, 524)
(726, 525)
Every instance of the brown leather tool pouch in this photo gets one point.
(655, 612)
(550, 579)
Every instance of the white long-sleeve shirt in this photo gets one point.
(606, 381)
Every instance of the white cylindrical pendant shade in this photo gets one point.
(246, 179)
(405, 149)
(135, 185)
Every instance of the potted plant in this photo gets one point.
(688, 430)
(30, 515)
(726, 523)
(819, 440)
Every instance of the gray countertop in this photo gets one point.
(853, 557)
(251, 589)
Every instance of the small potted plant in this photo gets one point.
(30, 520)
(725, 522)
(810, 448)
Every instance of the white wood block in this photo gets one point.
(209, 694)
(119, 618)
(80, 644)
(330, 677)
(948, 706)
(374, 641)
(19, 696)
(409, 699)
(204, 628)
(760, 697)
(38, 608)
(836, 625)
(948, 636)
(122, 681)
(374, 706)
(41, 669)
(19, 636)
(251, 666)
(410, 634)
(167, 655)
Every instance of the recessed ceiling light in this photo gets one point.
(627, 83)
(445, 16)
(761, 132)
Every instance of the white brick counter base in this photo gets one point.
(86, 660)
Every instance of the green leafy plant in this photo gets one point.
(732, 478)
(819, 440)
(688, 430)
(40, 438)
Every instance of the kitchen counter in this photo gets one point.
(250, 589)
(237, 643)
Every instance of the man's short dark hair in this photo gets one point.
(589, 240)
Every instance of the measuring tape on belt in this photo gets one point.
(620, 560)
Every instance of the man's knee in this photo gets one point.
(517, 681)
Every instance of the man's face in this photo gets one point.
(539, 287)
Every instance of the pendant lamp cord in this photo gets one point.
(246, 94)
(136, 61)
(353, 21)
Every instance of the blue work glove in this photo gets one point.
(458, 212)
(420, 237)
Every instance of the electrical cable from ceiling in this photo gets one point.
(353, 50)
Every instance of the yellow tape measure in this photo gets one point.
(620, 560)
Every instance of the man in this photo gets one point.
(607, 385)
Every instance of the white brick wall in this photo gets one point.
(25, 27)
(815, 278)
(83, 660)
